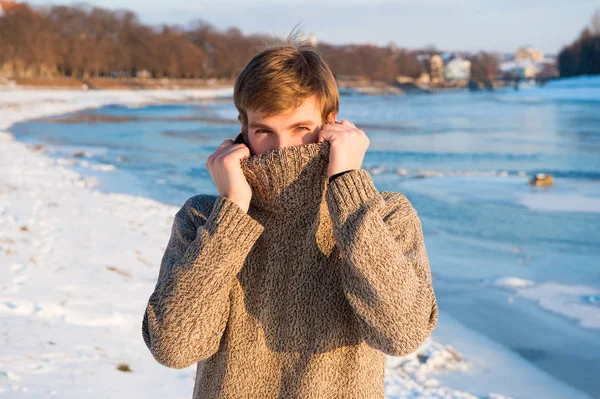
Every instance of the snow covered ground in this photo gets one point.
(78, 266)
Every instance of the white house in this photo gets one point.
(457, 69)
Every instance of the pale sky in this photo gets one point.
(471, 25)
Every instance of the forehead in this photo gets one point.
(308, 109)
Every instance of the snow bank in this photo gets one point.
(564, 202)
(578, 302)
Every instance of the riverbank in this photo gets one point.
(81, 264)
(66, 83)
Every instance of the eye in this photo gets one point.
(267, 130)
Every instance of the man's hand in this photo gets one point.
(225, 168)
(348, 146)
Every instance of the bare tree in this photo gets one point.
(85, 41)
(583, 55)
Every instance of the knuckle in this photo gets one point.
(229, 161)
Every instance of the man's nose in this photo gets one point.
(285, 140)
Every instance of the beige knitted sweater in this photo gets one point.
(302, 296)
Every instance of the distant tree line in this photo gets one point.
(84, 41)
(582, 57)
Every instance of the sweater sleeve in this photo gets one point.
(186, 314)
(384, 269)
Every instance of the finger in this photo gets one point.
(320, 137)
(218, 150)
(225, 152)
(334, 127)
(226, 143)
(326, 134)
(347, 123)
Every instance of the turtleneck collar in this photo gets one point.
(287, 179)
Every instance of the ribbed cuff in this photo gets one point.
(228, 217)
(350, 191)
(333, 177)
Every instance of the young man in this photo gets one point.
(299, 278)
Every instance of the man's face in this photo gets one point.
(295, 126)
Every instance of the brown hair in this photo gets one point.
(282, 75)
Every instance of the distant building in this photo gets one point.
(312, 39)
(424, 79)
(436, 69)
(143, 74)
(529, 53)
(529, 63)
(522, 69)
(403, 79)
(457, 69)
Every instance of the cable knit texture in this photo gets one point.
(302, 296)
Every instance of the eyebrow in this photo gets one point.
(263, 126)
